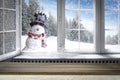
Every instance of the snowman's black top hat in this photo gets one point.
(40, 19)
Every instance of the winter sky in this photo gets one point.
(86, 16)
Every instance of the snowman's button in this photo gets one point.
(37, 29)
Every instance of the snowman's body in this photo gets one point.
(36, 37)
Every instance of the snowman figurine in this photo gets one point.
(36, 35)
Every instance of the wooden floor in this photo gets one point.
(59, 77)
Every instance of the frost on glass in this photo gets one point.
(111, 40)
(112, 25)
(86, 40)
(86, 4)
(111, 20)
(1, 20)
(72, 40)
(1, 43)
(1, 3)
(71, 4)
(72, 17)
(72, 35)
(9, 20)
(10, 42)
(87, 20)
(11, 4)
(111, 4)
(79, 27)
(86, 36)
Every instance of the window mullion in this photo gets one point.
(119, 24)
(3, 31)
(18, 23)
(61, 25)
(79, 23)
(102, 28)
(99, 26)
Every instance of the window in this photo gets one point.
(9, 28)
(112, 26)
(79, 27)
(74, 26)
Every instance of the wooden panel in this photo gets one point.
(51, 68)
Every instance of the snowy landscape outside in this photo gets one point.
(79, 24)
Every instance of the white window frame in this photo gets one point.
(102, 31)
(18, 8)
(108, 50)
(99, 27)
(61, 28)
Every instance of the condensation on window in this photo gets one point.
(112, 19)
(79, 29)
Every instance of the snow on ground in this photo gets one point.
(113, 48)
(51, 50)
(78, 46)
(51, 45)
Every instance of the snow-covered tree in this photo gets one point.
(113, 40)
(25, 22)
(73, 24)
(33, 7)
(86, 36)
(52, 26)
(82, 35)
(28, 16)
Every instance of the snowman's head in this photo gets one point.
(40, 19)
(37, 29)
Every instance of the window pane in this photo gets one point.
(49, 7)
(111, 40)
(72, 17)
(86, 40)
(87, 20)
(1, 43)
(10, 42)
(10, 4)
(10, 20)
(86, 4)
(111, 20)
(1, 3)
(71, 4)
(112, 25)
(80, 26)
(72, 40)
(111, 4)
(1, 20)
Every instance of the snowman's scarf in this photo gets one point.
(36, 36)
